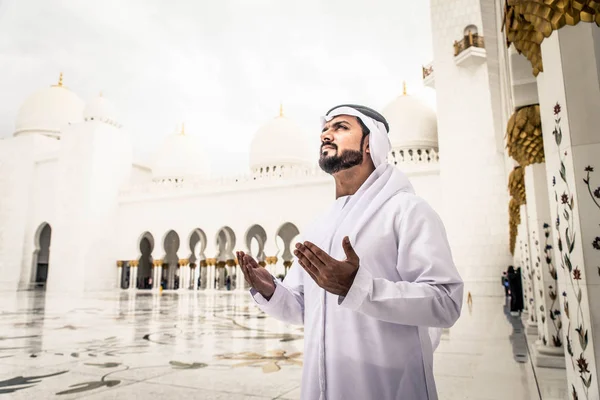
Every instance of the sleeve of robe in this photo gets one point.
(430, 291)
(287, 302)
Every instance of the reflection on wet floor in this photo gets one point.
(517, 336)
(217, 345)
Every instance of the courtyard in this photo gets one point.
(218, 345)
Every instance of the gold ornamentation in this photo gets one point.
(404, 92)
(470, 40)
(119, 264)
(230, 263)
(203, 263)
(158, 263)
(60, 81)
(516, 185)
(528, 22)
(270, 362)
(281, 109)
(262, 264)
(271, 260)
(134, 263)
(211, 261)
(524, 139)
(287, 264)
(221, 264)
(192, 265)
(514, 219)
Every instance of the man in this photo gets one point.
(374, 272)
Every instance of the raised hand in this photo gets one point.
(258, 277)
(332, 275)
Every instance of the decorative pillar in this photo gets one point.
(220, 275)
(193, 284)
(548, 351)
(569, 93)
(133, 274)
(239, 277)
(524, 264)
(210, 278)
(157, 274)
(119, 274)
(287, 265)
(184, 272)
(203, 274)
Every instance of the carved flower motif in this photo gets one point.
(582, 364)
(597, 192)
(577, 274)
(589, 168)
(564, 198)
(557, 109)
(596, 243)
(553, 180)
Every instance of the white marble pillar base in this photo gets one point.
(549, 357)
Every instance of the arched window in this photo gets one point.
(472, 30)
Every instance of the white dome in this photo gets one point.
(413, 123)
(49, 110)
(280, 142)
(100, 109)
(180, 156)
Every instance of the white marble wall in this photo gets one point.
(473, 177)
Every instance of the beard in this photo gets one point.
(341, 161)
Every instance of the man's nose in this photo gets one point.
(326, 136)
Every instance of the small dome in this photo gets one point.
(49, 110)
(180, 156)
(413, 123)
(100, 109)
(280, 142)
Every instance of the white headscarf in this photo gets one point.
(379, 141)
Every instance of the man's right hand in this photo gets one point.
(258, 277)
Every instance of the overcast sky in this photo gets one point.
(221, 66)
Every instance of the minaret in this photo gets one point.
(472, 161)
(94, 162)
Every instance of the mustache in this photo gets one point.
(329, 144)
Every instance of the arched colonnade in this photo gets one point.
(191, 263)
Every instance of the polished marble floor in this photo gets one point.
(128, 345)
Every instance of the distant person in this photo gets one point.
(374, 273)
(228, 282)
(516, 290)
(505, 284)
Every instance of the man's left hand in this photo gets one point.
(332, 275)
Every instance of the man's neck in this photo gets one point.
(348, 181)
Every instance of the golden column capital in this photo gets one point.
(119, 264)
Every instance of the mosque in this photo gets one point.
(509, 159)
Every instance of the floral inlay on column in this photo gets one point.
(566, 230)
(554, 311)
(594, 195)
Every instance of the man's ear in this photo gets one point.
(367, 147)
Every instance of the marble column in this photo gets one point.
(119, 274)
(569, 92)
(221, 275)
(133, 274)
(203, 274)
(526, 275)
(157, 274)
(193, 282)
(548, 351)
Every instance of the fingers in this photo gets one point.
(309, 254)
(251, 261)
(310, 270)
(351, 255)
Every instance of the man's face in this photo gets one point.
(342, 144)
